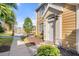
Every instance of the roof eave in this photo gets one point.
(39, 7)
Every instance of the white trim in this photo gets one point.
(58, 32)
(45, 11)
(44, 29)
(53, 7)
(60, 19)
(59, 8)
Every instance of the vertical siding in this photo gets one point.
(69, 26)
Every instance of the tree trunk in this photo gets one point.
(13, 30)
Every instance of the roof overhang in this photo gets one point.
(40, 6)
(53, 7)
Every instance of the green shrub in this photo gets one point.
(23, 37)
(48, 50)
(1, 29)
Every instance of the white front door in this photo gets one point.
(51, 30)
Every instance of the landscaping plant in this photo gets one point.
(28, 25)
(7, 15)
(5, 44)
(1, 29)
(48, 50)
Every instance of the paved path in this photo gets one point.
(4, 53)
(18, 48)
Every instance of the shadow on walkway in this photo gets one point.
(68, 52)
(4, 48)
(19, 49)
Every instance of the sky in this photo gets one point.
(25, 10)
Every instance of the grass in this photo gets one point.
(6, 34)
(5, 44)
(5, 41)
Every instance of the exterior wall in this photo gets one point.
(36, 25)
(39, 25)
(69, 26)
(77, 28)
(39, 21)
(65, 28)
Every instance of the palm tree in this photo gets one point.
(7, 15)
(11, 22)
(6, 9)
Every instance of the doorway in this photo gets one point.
(51, 29)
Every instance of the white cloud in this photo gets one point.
(18, 4)
(20, 23)
(34, 21)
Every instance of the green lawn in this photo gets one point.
(5, 44)
(5, 41)
(5, 34)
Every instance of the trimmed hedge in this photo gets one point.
(48, 50)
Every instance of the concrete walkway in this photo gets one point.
(4, 53)
(18, 48)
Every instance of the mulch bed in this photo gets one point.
(30, 44)
(35, 40)
(4, 48)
